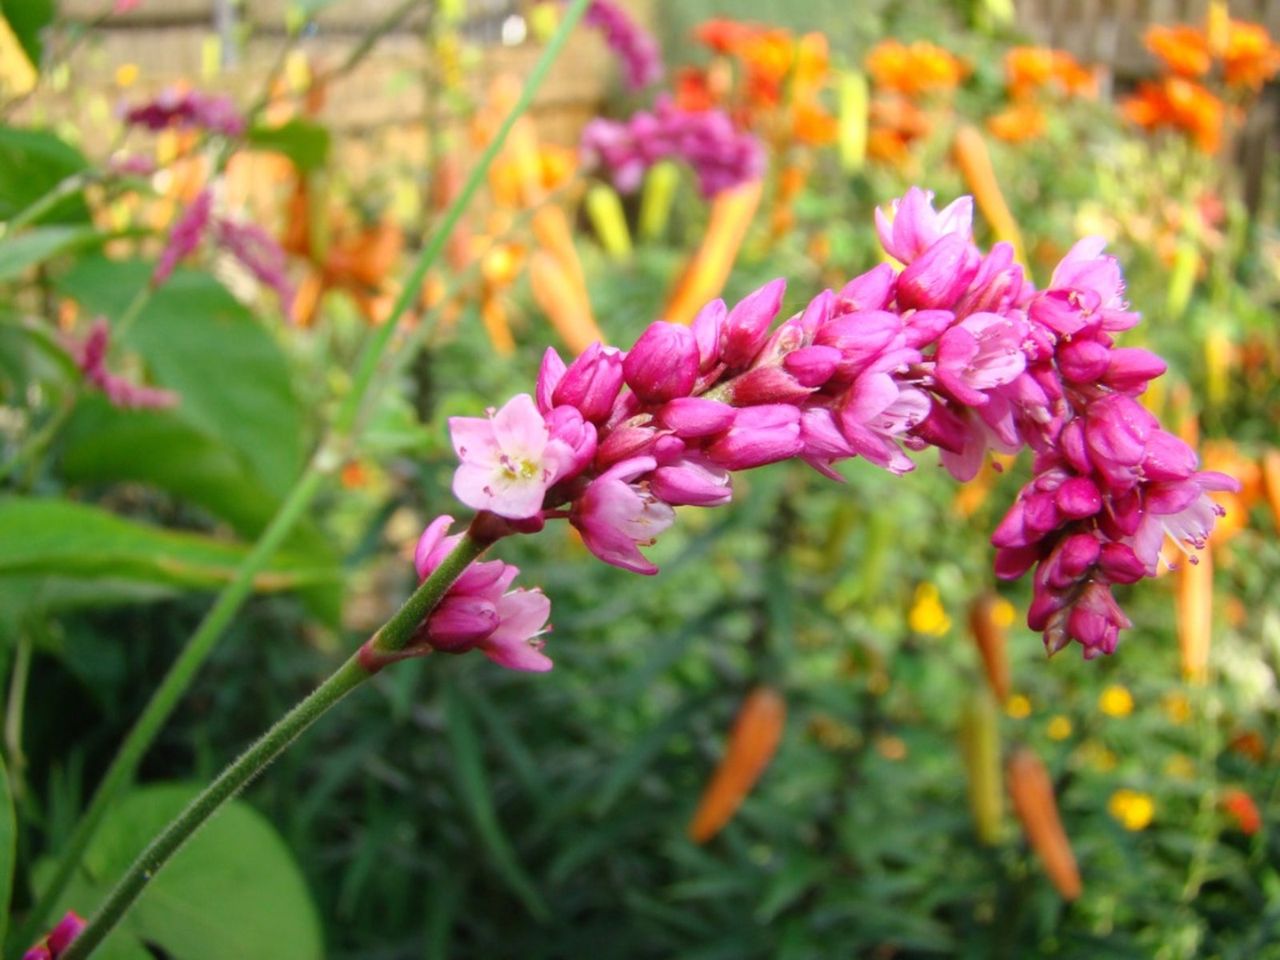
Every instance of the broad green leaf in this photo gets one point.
(29, 19)
(199, 341)
(232, 891)
(33, 162)
(61, 538)
(30, 247)
(305, 143)
(106, 445)
(8, 849)
(477, 798)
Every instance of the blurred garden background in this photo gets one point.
(799, 740)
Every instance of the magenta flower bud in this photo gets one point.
(566, 425)
(871, 291)
(624, 443)
(615, 517)
(767, 384)
(812, 366)
(550, 373)
(1096, 620)
(1043, 607)
(708, 328)
(861, 339)
(1065, 312)
(692, 417)
(663, 364)
(1167, 458)
(1120, 564)
(1116, 430)
(1013, 562)
(1129, 369)
(759, 435)
(944, 429)
(1072, 559)
(747, 325)
(1082, 360)
(591, 383)
(922, 327)
(458, 623)
(692, 482)
(937, 278)
(185, 236)
(997, 285)
(1078, 498)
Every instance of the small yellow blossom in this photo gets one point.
(1018, 707)
(126, 75)
(927, 615)
(1176, 707)
(1059, 727)
(1003, 613)
(1179, 767)
(1097, 756)
(1116, 701)
(1134, 810)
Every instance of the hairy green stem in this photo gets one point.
(394, 636)
(202, 642)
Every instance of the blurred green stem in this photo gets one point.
(13, 715)
(390, 640)
(326, 459)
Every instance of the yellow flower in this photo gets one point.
(1059, 727)
(1003, 613)
(126, 75)
(927, 615)
(1097, 756)
(1179, 767)
(1116, 701)
(1176, 707)
(1018, 707)
(1134, 810)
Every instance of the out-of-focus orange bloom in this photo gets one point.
(1183, 49)
(812, 125)
(1030, 69)
(1242, 810)
(1223, 456)
(723, 35)
(895, 123)
(919, 68)
(1019, 123)
(1250, 58)
(693, 90)
(1182, 104)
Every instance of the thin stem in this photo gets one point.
(64, 188)
(14, 712)
(35, 444)
(372, 356)
(392, 637)
(291, 510)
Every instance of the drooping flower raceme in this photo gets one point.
(956, 350)
(192, 108)
(634, 46)
(90, 356)
(55, 944)
(707, 140)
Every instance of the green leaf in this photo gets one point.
(303, 142)
(33, 162)
(28, 20)
(8, 848)
(37, 245)
(106, 445)
(58, 537)
(468, 768)
(199, 341)
(232, 891)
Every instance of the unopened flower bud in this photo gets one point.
(663, 364)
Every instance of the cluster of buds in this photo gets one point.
(707, 140)
(90, 356)
(251, 246)
(55, 944)
(635, 48)
(956, 350)
(189, 109)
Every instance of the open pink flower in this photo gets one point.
(508, 459)
(614, 516)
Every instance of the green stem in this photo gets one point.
(394, 636)
(373, 354)
(14, 713)
(64, 188)
(297, 501)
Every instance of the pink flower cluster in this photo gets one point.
(217, 114)
(254, 248)
(954, 350)
(56, 943)
(721, 155)
(90, 355)
(634, 46)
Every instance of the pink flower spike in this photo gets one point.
(508, 459)
(912, 225)
(747, 325)
(184, 237)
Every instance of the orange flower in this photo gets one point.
(723, 35)
(1182, 104)
(1242, 809)
(812, 125)
(1019, 123)
(1029, 69)
(920, 68)
(1182, 49)
(1250, 59)
(693, 90)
